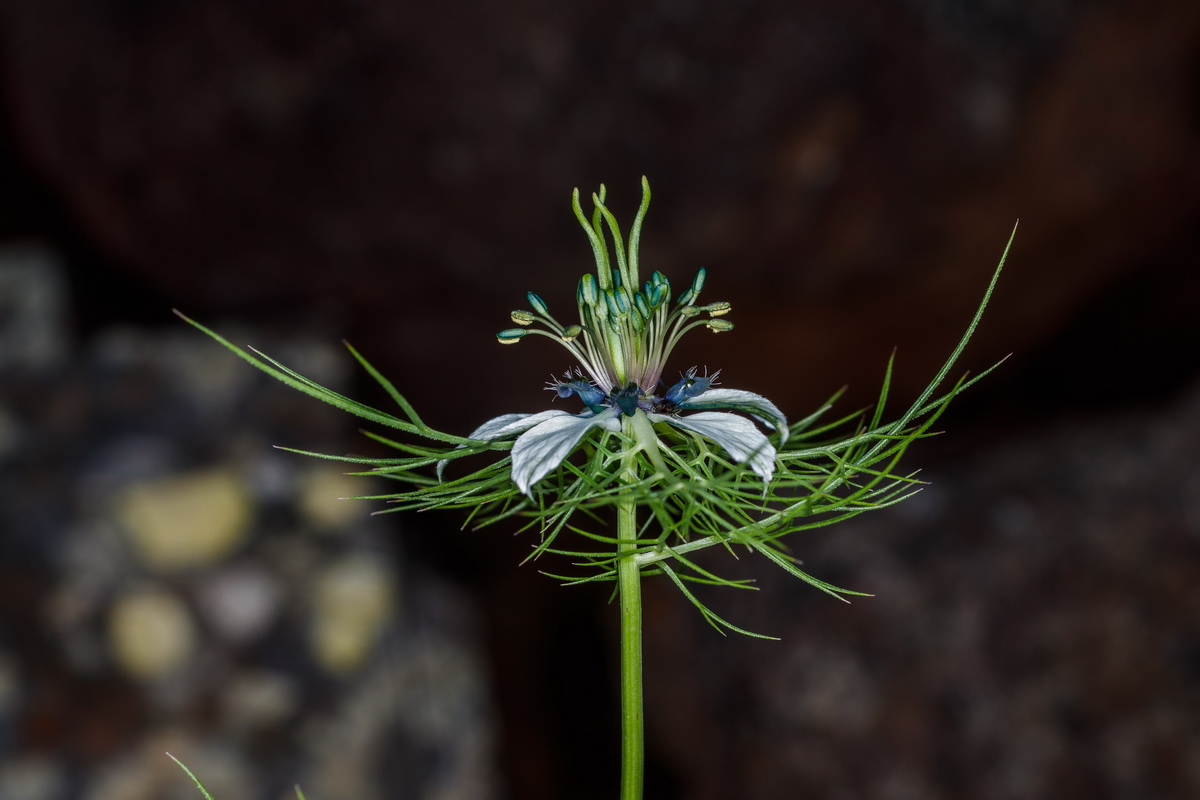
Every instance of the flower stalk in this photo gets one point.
(629, 586)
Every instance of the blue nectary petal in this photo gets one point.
(627, 399)
(540, 450)
(591, 395)
(691, 385)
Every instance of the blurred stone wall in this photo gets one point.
(170, 582)
(398, 174)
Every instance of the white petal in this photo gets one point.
(544, 446)
(503, 427)
(507, 425)
(756, 405)
(737, 435)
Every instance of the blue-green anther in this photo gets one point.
(622, 298)
(511, 335)
(687, 297)
(522, 317)
(659, 278)
(639, 302)
(718, 325)
(613, 310)
(538, 304)
(616, 273)
(690, 311)
(698, 281)
(637, 322)
(588, 290)
(571, 332)
(659, 295)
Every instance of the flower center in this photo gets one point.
(626, 331)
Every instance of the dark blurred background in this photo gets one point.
(398, 175)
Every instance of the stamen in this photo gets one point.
(538, 304)
(511, 335)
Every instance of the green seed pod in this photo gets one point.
(719, 309)
(511, 335)
(522, 317)
(571, 332)
(718, 325)
(538, 304)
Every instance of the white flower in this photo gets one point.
(544, 439)
(625, 333)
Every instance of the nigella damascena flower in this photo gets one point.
(625, 334)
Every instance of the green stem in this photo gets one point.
(629, 584)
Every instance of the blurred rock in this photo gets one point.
(33, 778)
(259, 699)
(151, 633)
(240, 602)
(165, 575)
(353, 600)
(185, 521)
(145, 772)
(33, 308)
(324, 497)
(434, 693)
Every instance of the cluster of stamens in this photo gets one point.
(625, 331)
(623, 338)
